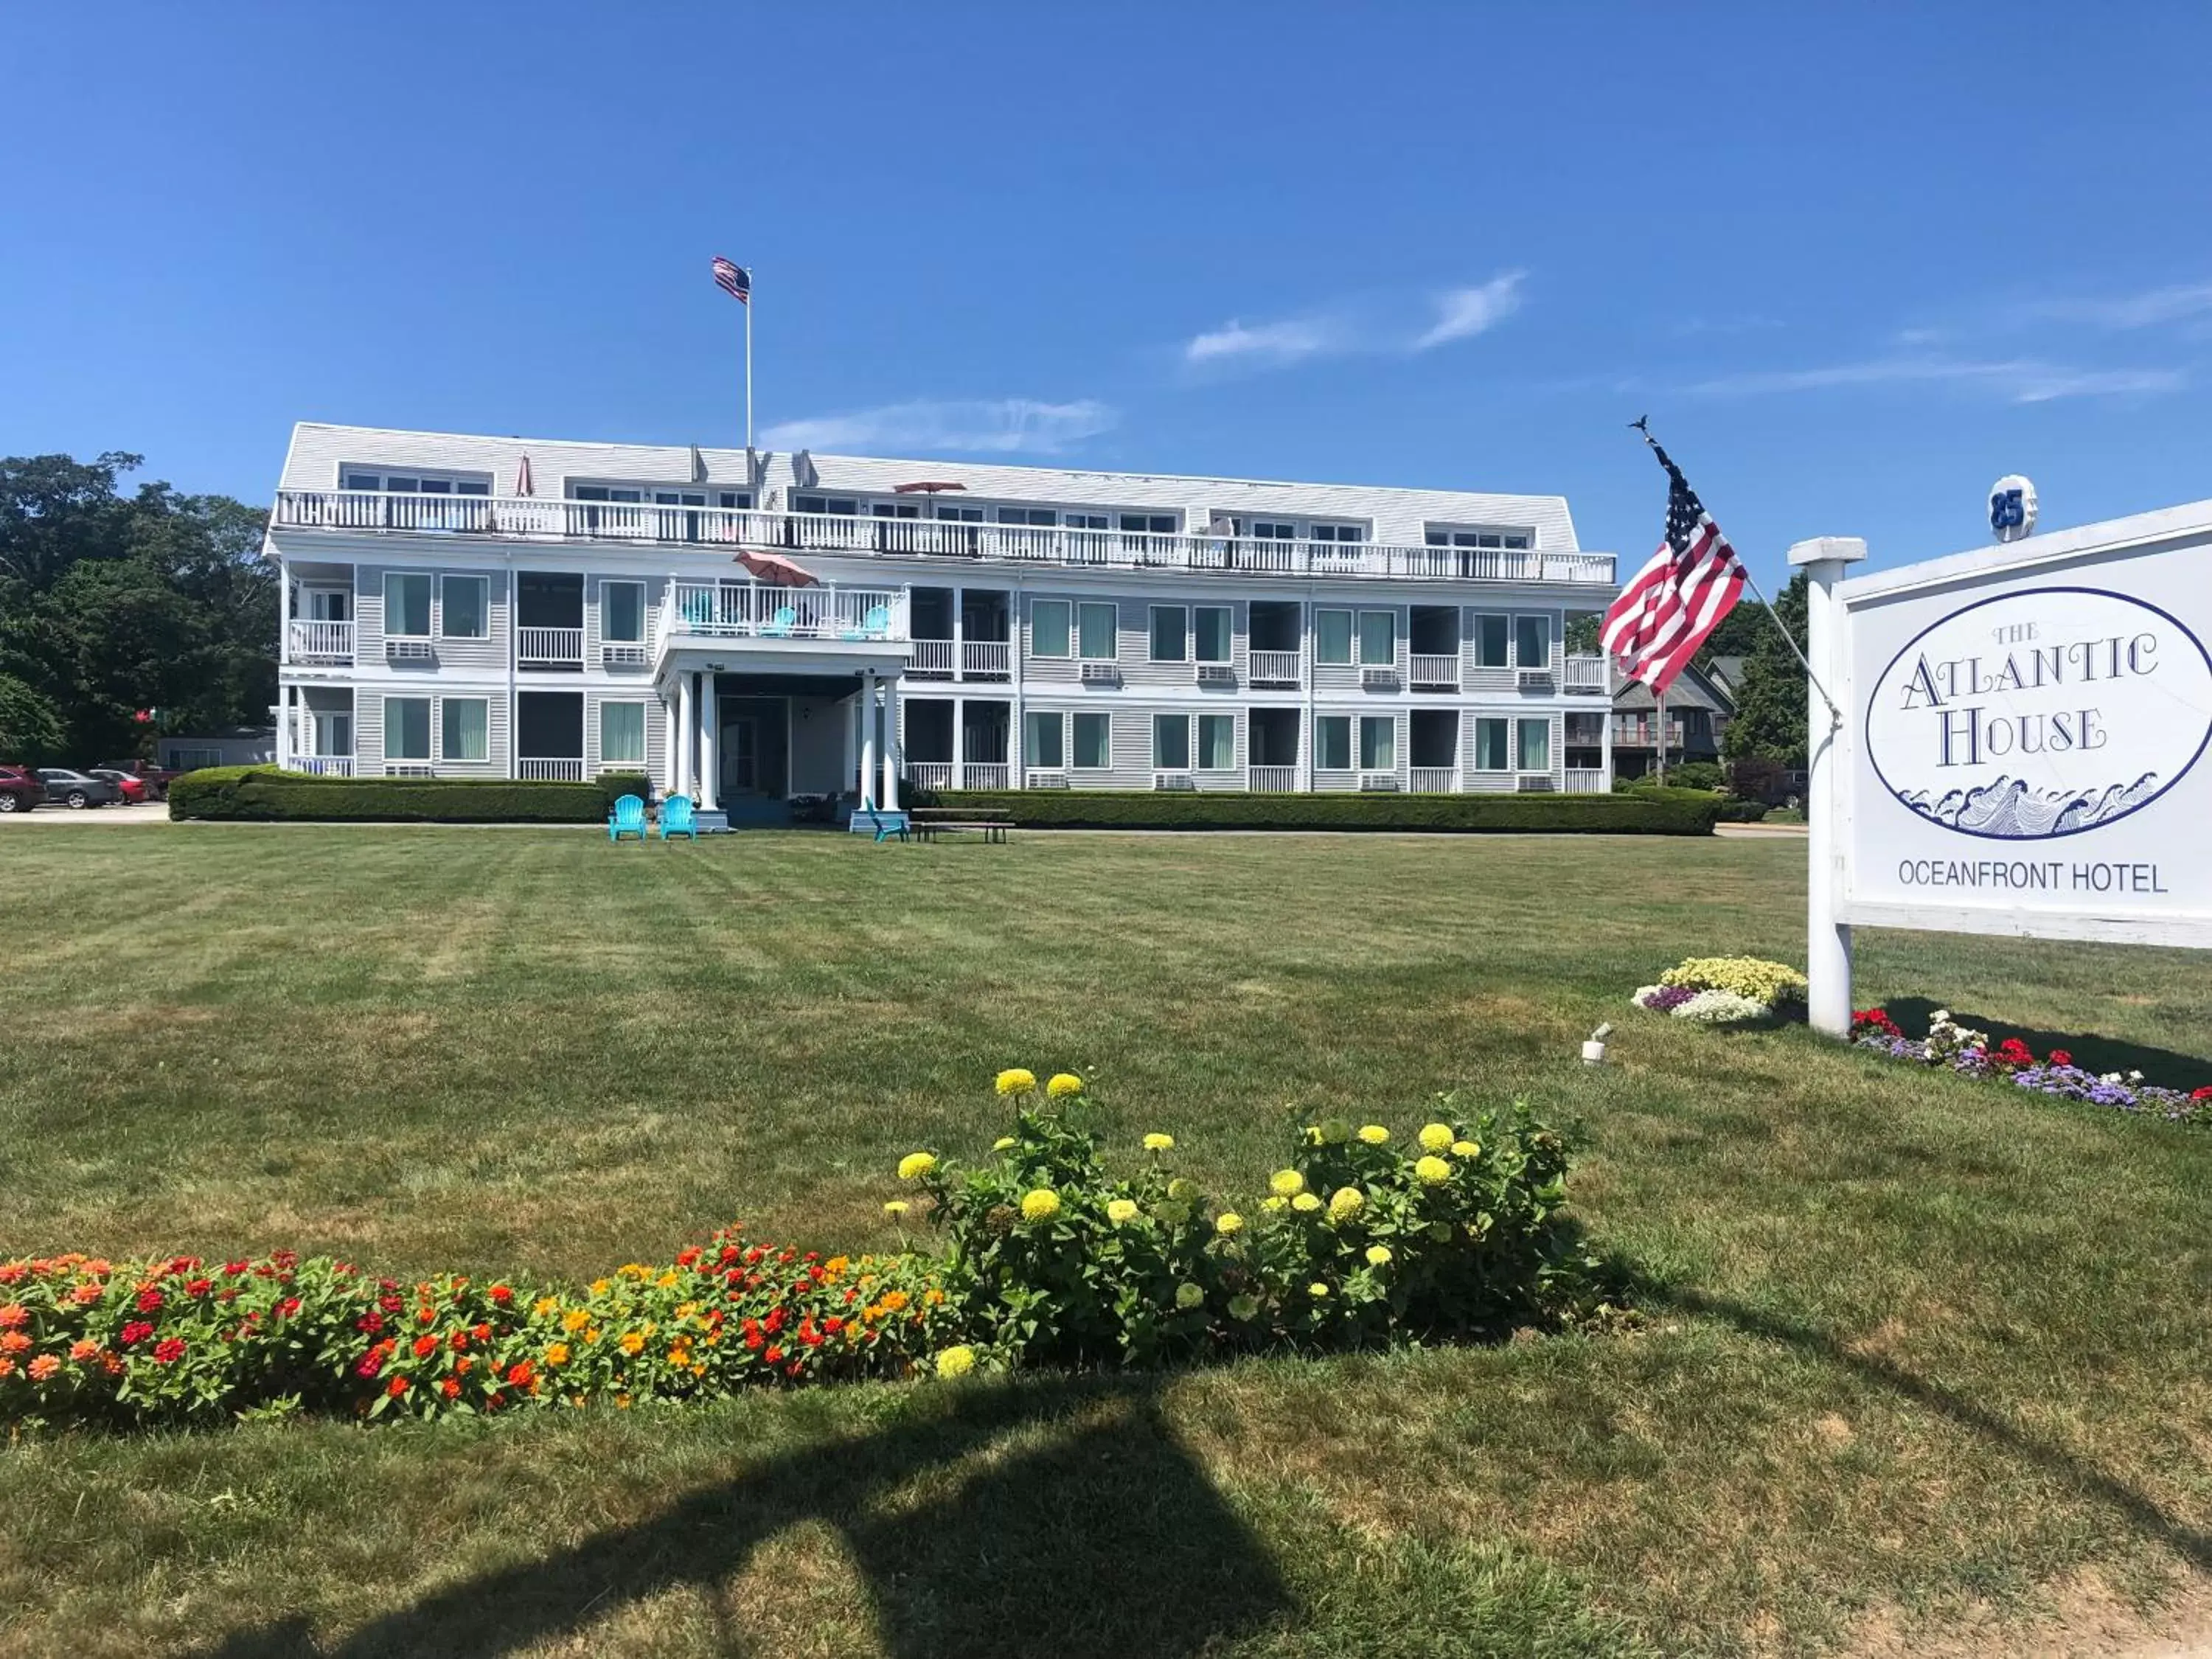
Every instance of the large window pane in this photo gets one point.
(1333, 637)
(1094, 742)
(407, 604)
(1532, 641)
(1378, 638)
(1491, 752)
(467, 729)
(1048, 629)
(1217, 743)
(1332, 743)
(622, 734)
(1169, 644)
(1043, 743)
(1171, 742)
(407, 726)
(1212, 631)
(1535, 745)
(467, 614)
(1378, 744)
(1094, 628)
(1493, 638)
(622, 611)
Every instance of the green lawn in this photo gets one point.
(1919, 1348)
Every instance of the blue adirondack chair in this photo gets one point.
(786, 618)
(676, 819)
(876, 625)
(628, 818)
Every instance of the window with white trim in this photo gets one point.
(1535, 745)
(1210, 633)
(621, 612)
(1337, 533)
(464, 728)
(1094, 742)
(1086, 522)
(1048, 627)
(1096, 625)
(1155, 524)
(1447, 536)
(1032, 515)
(1217, 743)
(1493, 641)
(1172, 743)
(465, 607)
(1378, 639)
(1491, 753)
(413, 482)
(1378, 743)
(407, 604)
(1332, 743)
(1532, 641)
(1332, 637)
(843, 506)
(1047, 729)
(622, 734)
(407, 728)
(1171, 631)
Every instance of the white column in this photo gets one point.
(959, 643)
(710, 743)
(687, 728)
(284, 613)
(285, 694)
(1017, 715)
(1827, 649)
(868, 737)
(891, 750)
(960, 742)
(1605, 729)
(670, 741)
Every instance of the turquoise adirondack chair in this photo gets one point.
(676, 819)
(628, 818)
(786, 619)
(876, 625)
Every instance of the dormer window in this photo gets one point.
(413, 484)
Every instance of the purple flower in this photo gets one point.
(1668, 998)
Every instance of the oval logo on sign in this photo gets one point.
(2041, 714)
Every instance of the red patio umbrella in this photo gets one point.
(775, 568)
(925, 486)
(523, 484)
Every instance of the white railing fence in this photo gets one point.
(1274, 779)
(1277, 667)
(553, 645)
(759, 609)
(932, 657)
(929, 774)
(1584, 781)
(1585, 674)
(322, 641)
(985, 775)
(985, 657)
(1435, 780)
(324, 766)
(551, 770)
(1435, 671)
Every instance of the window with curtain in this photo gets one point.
(1210, 626)
(1535, 745)
(1217, 743)
(1378, 744)
(621, 612)
(466, 728)
(466, 607)
(407, 728)
(622, 734)
(1042, 742)
(1378, 638)
(1094, 742)
(1095, 625)
(1492, 749)
(1333, 637)
(1332, 743)
(1493, 641)
(1532, 641)
(1048, 628)
(1170, 623)
(407, 604)
(1172, 743)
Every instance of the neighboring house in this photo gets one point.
(1698, 708)
(234, 745)
(496, 607)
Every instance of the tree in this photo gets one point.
(29, 726)
(1770, 702)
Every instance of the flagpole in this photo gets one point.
(749, 364)
(1661, 698)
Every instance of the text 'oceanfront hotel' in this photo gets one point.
(503, 607)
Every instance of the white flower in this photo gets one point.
(1941, 1017)
(1722, 1008)
(2135, 1077)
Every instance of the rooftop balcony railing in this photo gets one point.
(532, 517)
(759, 611)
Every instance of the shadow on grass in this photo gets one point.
(2096, 1053)
(2190, 1543)
(1059, 1515)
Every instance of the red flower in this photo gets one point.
(397, 1387)
(688, 1257)
(519, 1373)
(232, 1269)
(775, 1355)
(169, 1351)
(424, 1315)
(288, 1307)
(2060, 1057)
(775, 1320)
(150, 1300)
(833, 1324)
(2202, 1096)
(500, 1294)
(482, 1332)
(137, 1331)
(451, 1388)
(371, 1364)
(753, 1340)
(459, 1339)
(425, 1347)
(199, 1287)
(372, 1323)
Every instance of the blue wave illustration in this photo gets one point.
(2011, 810)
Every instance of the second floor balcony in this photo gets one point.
(825, 612)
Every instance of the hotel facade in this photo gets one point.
(755, 628)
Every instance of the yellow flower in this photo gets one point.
(1378, 1255)
(632, 1341)
(1345, 1203)
(1063, 1083)
(622, 1403)
(896, 1207)
(601, 1286)
(1373, 1133)
(1002, 1143)
(1305, 1202)
(1272, 1204)
(1189, 1296)
(1466, 1149)
(956, 1361)
(1432, 1170)
(575, 1320)
(1015, 1080)
(590, 1336)
(544, 1305)
(1160, 1143)
(914, 1165)
(1040, 1203)
(1228, 1222)
(666, 1282)
(1120, 1211)
(685, 1309)
(557, 1354)
(1317, 1289)
(1436, 1136)
(1285, 1183)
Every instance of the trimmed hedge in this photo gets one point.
(1674, 812)
(265, 794)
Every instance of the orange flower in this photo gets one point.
(84, 1350)
(450, 1388)
(557, 1354)
(44, 1367)
(85, 1295)
(7, 1366)
(14, 1317)
(14, 1342)
(397, 1387)
(894, 1301)
(520, 1372)
(425, 1347)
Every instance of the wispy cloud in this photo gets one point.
(2018, 379)
(974, 426)
(2173, 304)
(1284, 341)
(1466, 312)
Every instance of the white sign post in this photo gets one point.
(2023, 746)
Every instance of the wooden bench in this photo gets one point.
(991, 822)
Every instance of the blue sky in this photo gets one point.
(1854, 264)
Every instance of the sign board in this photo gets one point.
(2026, 742)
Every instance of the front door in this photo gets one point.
(741, 757)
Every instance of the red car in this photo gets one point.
(156, 779)
(19, 790)
(134, 787)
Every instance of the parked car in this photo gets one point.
(157, 779)
(75, 789)
(19, 791)
(134, 787)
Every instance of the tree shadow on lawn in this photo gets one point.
(2095, 1053)
(1053, 1513)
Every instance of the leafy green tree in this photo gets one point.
(30, 728)
(1770, 703)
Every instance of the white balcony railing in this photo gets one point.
(744, 610)
(933, 657)
(1274, 779)
(554, 769)
(532, 517)
(985, 775)
(1435, 671)
(1584, 781)
(324, 766)
(1277, 667)
(984, 658)
(548, 648)
(1434, 780)
(321, 641)
(929, 774)
(1585, 674)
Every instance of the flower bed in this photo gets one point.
(1970, 1053)
(1048, 1260)
(1726, 991)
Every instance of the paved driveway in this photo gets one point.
(152, 811)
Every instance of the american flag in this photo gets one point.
(733, 280)
(1680, 594)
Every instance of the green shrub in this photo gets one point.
(1695, 774)
(263, 794)
(1668, 813)
(615, 785)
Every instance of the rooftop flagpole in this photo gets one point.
(749, 366)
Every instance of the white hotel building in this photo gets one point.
(499, 607)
